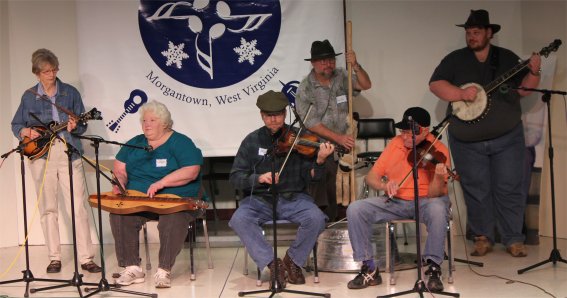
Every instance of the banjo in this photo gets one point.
(473, 111)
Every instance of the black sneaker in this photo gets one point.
(434, 283)
(365, 279)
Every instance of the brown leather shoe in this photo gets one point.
(91, 267)
(281, 273)
(294, 272)
(517, 250)
(482, 246)
(54, 267)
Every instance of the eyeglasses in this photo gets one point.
(408, 131)
(46, 72)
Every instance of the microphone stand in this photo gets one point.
(103, 284)
(27, 274)
(276, 287)
(555, 255)
(419, 286)
(76, 280)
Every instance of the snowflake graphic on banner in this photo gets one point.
(175, 54)
(206, 43)
(247, 51)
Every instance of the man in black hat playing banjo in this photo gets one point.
(326, 88)
(487, 147)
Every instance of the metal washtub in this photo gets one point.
(334, 252)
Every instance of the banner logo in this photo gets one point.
(209, 43)
(131, 105)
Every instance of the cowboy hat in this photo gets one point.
(480, 18)
(321, 50)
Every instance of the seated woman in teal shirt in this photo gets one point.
(171, 167)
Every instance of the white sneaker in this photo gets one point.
(162, 279)
(131, 275)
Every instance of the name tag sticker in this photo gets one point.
(262, 151)
(341, 99)
(161, 163)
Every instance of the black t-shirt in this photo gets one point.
(504, 113)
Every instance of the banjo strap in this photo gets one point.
(494, 62)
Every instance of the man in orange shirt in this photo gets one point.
(387, 175)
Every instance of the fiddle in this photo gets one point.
(428, 157)
(306, 145)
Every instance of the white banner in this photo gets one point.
(207, 60)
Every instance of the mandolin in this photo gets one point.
(37, 147)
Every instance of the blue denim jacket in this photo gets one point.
(67, 96)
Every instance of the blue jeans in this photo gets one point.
(492, 173)
(433, 212)
(254, 211)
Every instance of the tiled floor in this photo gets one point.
(498, 277)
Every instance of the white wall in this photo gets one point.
(398, 42)
(9, 198)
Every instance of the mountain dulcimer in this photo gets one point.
(135, 201)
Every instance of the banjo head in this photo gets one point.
(472, 111)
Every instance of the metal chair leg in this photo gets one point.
(405, 234)
(259, 279)
(207, 243)
(450, 260)
(316, 271)
(192, 227)
(245, 267)
(148, 260)
(390, 262)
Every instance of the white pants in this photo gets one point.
(57, 178)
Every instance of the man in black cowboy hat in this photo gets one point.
(489, 152)
(326, 89)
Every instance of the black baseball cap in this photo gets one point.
(417, 114)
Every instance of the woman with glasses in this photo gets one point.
(50, 100)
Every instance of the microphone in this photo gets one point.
(45, 126)
(34, 116)
(542, 90)
(115, 181)
(149, 148)
(436, 128)
(413, 127)
(297, 118)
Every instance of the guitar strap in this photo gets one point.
(44, 97)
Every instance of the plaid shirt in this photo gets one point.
(254, 158)
(330, 105)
